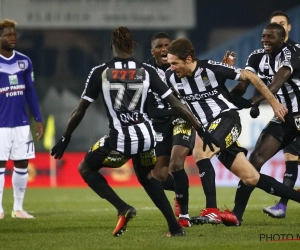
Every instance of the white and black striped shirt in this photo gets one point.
(266, 66)
(205, 91)
(124, 84)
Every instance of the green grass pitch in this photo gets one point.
(76, 218)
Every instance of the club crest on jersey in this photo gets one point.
(206, 81)
(297, 121)
(21, 64)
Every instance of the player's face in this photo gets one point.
(159, 50)
(178, 66)
(271, 40)
(281, 20)
(8, 39)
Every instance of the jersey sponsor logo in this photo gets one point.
(197, 97)
(232, 136)
(148, 158)
(128, 75)
(115, 161)
(184, 128)
(130, 117)
(220, 63)
(287, 54)
(13, 79)
(214, 124)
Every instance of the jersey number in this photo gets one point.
(121, 87)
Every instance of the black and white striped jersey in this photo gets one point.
(159, 111)
(296, 46)
(123, 85)
(205, 91)
(266, 66)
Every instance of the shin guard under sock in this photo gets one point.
(181, 185)
(99, 185)
(242, 196)
(168, 184)
(157, 194)
(290, 177)
(272, 186)
(207, 175)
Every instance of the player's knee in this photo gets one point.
(83, 167)
(176, 165)
(160, 176)
(251, 179)
(257, 160)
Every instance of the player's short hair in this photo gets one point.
(276, 26)
(182, 48)
(7, 23)
(160, 35)
(280, 13)
(122, 38)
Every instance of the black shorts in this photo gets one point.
(164, 143)
(184, 135)
(285, 132)
(293, 148)
(226, 128)
(101, 155)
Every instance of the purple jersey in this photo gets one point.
(16, 90)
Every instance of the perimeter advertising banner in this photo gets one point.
(100, 14)
(45, 171)
(41, 173)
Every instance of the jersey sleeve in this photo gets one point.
(156, 83)
(293, 62)
(93, 85)
(155, 110)
(31, 97)
(223, 71)
(252, 63)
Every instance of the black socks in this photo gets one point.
(182, 190)
(207, 175)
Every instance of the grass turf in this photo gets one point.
(76, 218)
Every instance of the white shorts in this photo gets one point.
(16, 143)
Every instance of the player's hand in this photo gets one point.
(58, 150)
(39, 130)
(242, 103)
(254, 112)
(207, 138)
(229, 58)
(280, 110)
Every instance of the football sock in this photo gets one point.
(290, 177)
(272, 186)
(99, 185)
(168, 184)
(242, 196)
(181, 186)
(2, 173)
(207, 176)
(157, 194)
(19, 183)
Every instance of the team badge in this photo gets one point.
(21, 65)
(206, 81)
